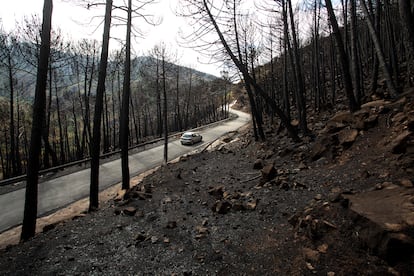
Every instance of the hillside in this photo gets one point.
(340, 204)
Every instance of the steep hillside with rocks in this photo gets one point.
(341, 203)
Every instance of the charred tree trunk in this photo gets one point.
(39, 106)
(164, 90)
(354, 54)
(12, 126)
(124, 121)
(249, 79)
(352, 103)
(300, 95)
(378, 49)
(59, 119)
(96, 138)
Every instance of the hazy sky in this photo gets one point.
(75, 23)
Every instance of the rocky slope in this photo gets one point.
(339, 204)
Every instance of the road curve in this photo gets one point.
(61, 191)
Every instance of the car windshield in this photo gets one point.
(187, 135)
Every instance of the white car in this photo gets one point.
(190, 138)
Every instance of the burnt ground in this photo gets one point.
(320, 207)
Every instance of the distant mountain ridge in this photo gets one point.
(25, 73)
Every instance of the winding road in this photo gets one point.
(61, 191)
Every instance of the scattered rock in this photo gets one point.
(347, 136)
(310, 266)
(406, 183)
(201, 232)
(238, 206)
(323, 248)
(251, 205)
(129, 211)
(310, 254)
(319, 148)
(120, 195)
(178, 174)
(140, 238)
(154, 239)
(376, 103)
(365, 174)
(268, 172)
(258, 164)
(343, 117)
(399, 118)
(217, 192)
(318, 197)
(302, 166)
(399, 144)
(221, 207)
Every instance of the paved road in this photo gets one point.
(64, 190)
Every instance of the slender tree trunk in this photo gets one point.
(134, 119)
(124, 127)
(164, 90)
(96, 138)
(114, 145)
(375, 69)
(178, 110)
(158, 93)
(30, 206)
(316, 56)
(407, 19)
(286, 98)
(354, 54)
(76, 132)
(379, 51)
(61, 137)
(18, 155)
(3, 169)
(353, 105)
(332, 69)
(12, 126)
(301, 102)
(106, 142)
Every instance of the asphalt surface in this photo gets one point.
(61, 191)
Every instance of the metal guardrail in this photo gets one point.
(20, 178)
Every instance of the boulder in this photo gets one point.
(385, 220)
(319, 148)
(347, 136)
(268, 172)
(377, 103)
(344, 117)
(399, 144)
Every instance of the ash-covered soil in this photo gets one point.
(246, 208)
